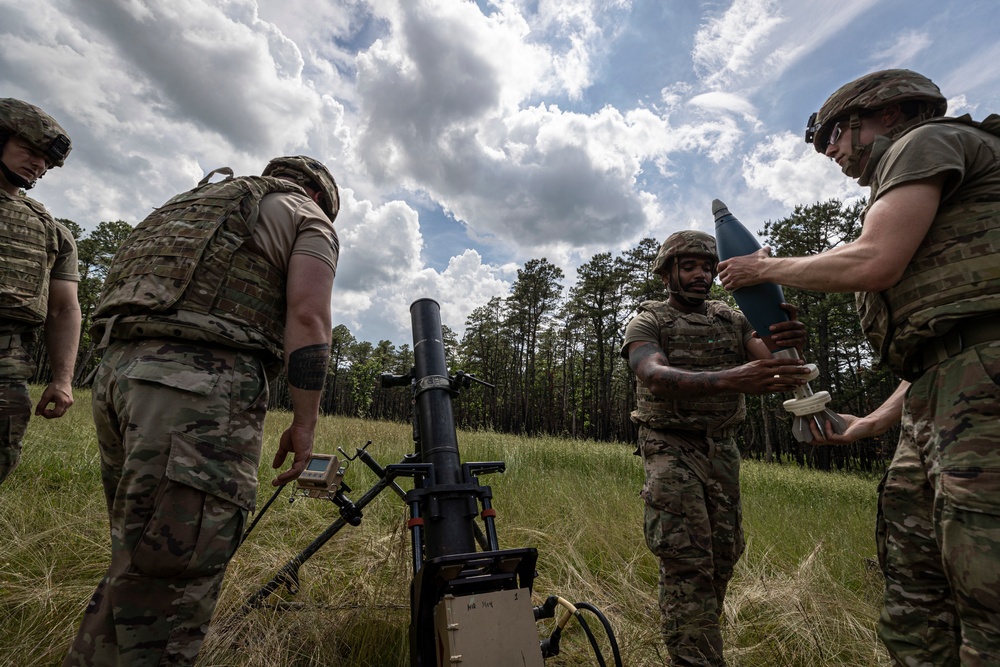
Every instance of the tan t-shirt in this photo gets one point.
(968, 158)
(292, 224)
(952, 274)
(67, 265)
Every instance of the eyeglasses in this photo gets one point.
(813, 127)
(835, 133)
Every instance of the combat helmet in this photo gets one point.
(40, 130)
(305, 171)
(870, 92)
(688, 242)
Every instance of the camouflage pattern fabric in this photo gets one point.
(693, 524)
(685, 242)
(30, 243)
(179, 428)
(873, 91)
(696, 342)
(36, 127)
(195, 254)
(308, 173)
(953, 275)
(16, 366)
(939, 529)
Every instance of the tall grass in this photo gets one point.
(804, 594)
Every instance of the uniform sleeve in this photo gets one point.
(745, 327)
(67, 264)
(317, 236)
(641, 328)
(926, 151)
(292, 224)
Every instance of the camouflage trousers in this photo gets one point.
(16, 367)
(693, 524)
(179, 428)
(939, 518)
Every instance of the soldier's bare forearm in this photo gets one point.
(670, 382)
(641, 355)
(62, 330)
(650, 367)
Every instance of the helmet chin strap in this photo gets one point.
(852, 167)
(692, 301)
(691, 298)
(16, 180)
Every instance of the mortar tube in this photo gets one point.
(448, 527)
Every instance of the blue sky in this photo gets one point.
(470, 137)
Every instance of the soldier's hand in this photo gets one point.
(765, 376)
(857, 428)
(298, 441)
(743, 271)
(59, 397)
(791, 333)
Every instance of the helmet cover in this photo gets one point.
(870, 92)
(307, 171)
(39, 129)
(687, 242)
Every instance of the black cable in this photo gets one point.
(592, 638)
(607, 629)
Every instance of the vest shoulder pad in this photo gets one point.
(39, 209)
(990, 124)
(667, 314)
(723, 311)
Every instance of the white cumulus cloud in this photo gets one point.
(792, 172)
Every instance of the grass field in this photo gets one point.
(804, 594)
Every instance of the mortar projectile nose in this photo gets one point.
(719, 209)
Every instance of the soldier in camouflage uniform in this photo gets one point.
(927, 276)
(38, 276)
(694, 360)
(208, 297)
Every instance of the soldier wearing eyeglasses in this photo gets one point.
(927, 278)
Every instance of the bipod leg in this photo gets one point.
(287, 575)
(370, 461)
(289, 572)
(274, 496)
(481, 539)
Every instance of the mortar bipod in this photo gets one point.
(350, 514)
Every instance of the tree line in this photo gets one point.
(551, 349)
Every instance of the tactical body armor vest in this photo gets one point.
(954, 275)
(694, 342)
(190, 270)
(30, 244)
